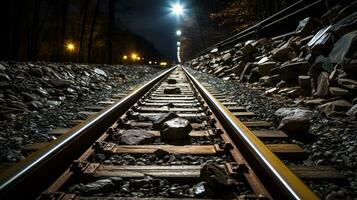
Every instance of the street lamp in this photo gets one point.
(70, 46)
(177, 9)
(178, 32)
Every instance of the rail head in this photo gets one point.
(283, 181)
(29, 177)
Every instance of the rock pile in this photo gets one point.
(318, 61)
(26, 87)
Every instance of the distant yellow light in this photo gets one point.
(150, 62)
(134, 56)
(70, 46)
(125, 57)
(163, 63)
(138, 58)
(155, 62)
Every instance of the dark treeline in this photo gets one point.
(44, 29)
(210, 21)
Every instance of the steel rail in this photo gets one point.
(282, 182)
(28, 178)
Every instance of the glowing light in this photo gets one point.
(150, 62)
(138, 58)
(177, 9)
(70, 46)
(178, 33)
(125, 57)
(163, 63)
(134, 56)
(178, 43)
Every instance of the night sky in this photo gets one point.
(152, 20)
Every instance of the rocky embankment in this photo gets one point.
(37, 97)
(316, 65)
(305, 83)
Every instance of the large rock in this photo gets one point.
(344, 47)
(353, 111)
(136, 137)
(337, 91)
(238, 69)
(322, 85)
(348, 83)
(175, 130)
(216, 177)
(307, 26)
(321, 42)
(163, 118)
(265, 68)
(295, 121)
(291, 71)
(335, 108)
(305, 82)
(282, 53)
(321, 63)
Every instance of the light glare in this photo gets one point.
(177, 9)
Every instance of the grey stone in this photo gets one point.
(200, 189)
(282, 53)
(136, 137)
(334, 108)
(265, 68)
(175, 90)
(216, 177)
(2, 67)
(291, 71)
(307, 26)
(348, 83)
(99, 186)
(266, 80)
(353, 111)
(305, 82)
(160, 154)
(314, 102)
(321, 42)
(60, 83)
(163, 118)
(337, 91)
(175, 130)
(246, 71)
(295, 121)
(100, 72)
(323, 85)
(343, 48)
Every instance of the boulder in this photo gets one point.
(353, 111)
(295, 121)
(216, 177)
(307, 26)
(337, 91)
(335, 108)
(291, 71)
(136, 137)
(163, 118)
(174, 90)
(322, 85)
(265, 68)
(321, 42)
(348, 83)
(343, 48)
(248, 50)
(305, 82)
(175, 130)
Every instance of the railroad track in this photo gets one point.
(171, 138)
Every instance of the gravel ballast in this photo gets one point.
(334, 138)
